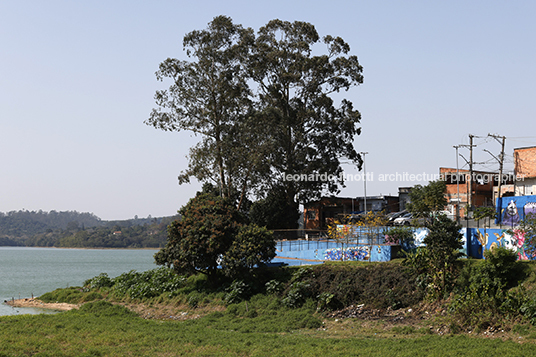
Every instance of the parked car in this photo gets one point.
(394, 215)
(448, 214)
(409, 220)
(404, 220)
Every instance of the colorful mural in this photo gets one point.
(493, 238)
(350, 253)
(510, 214)
(529, 210)
(515, 209)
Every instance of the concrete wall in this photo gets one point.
(483, 239)
(323, 250)
(515, 209)
(475, 242)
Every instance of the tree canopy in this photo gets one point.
(443, 244)
(264, 107)
(213, 233)
(427, 200)
(309, 133)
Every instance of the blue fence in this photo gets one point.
(326, 250)
(360, 248)
(353, 243)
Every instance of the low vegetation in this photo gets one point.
(285, 311)
(428, 303)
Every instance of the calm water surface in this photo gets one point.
(25, 271)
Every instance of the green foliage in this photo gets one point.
(426, 200)
(297, 294)
(419, 266)
(274, 212)
(263, 313)
(102, 330)
(484, 212)
(106, 309)
(378, 286)
(308, 131)
(194, 299)
(26, 226)
(434, 265)
(264, 107)
(404, 330)
(100, 281)
(92, 296)
(205, 233)
(237, 292)
(325, 301)
(212, 233)
(399, 235)
(73, 229)
(483, 294)
(210, 97)
(138, 285)
(443, 244)
(274, 287)
(72, 295)
(252, 246)
(136, 233)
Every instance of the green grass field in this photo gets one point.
(282, 312)
(102, 329)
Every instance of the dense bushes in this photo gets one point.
(326, 287)
(138, 285)
(491, 292)
(376, 285)
(484, 293)
(213, 234)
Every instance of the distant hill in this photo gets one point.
(74, 229)
(23, 224)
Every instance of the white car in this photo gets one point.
(404, 220)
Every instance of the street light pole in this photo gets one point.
(457, 186)
(365, 178)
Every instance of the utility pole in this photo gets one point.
(457, 186)
(470, 200)
(501, 161)
(365, 178)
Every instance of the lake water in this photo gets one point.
(25, 271)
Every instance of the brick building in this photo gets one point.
(525, 169)
(317, 214)
(458, 187)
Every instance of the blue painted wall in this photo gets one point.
(515, 209)
(484, 239)
(334, 251)
(475, 242)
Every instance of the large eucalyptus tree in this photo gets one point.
(264, 106)
(309, 132)
(210, 96)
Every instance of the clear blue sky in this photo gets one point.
(77, 82)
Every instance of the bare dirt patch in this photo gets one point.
(61, 306)
(170, 312)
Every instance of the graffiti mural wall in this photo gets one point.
(350, 253)
(484, 239)
(515, 209)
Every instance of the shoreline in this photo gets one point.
(80, 248)
(36, 303)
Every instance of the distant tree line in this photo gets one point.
(80, 230)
